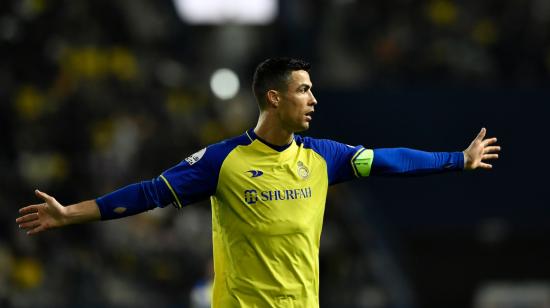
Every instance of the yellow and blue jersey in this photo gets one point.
(267, 208)
(267, 213)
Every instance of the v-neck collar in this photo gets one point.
(279, 148)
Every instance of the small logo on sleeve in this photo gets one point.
(255, 173)
(194, 158)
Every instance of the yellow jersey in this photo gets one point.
(267, 213)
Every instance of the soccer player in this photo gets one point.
(268, 189)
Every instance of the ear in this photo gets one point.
(273, 98)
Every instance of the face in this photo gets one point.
(296, 104)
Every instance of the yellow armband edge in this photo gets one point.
(362, 162)
(172, 190)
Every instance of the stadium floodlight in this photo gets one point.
(224, 83)
(215, 12)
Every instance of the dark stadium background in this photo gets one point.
(99, 94)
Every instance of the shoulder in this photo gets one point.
(217, 152)
(322, 146)
(337, 155)
(334, 152)
(206, 161)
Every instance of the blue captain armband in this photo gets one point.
(134, 199)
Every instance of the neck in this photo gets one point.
(272, 131)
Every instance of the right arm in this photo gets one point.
(190, 181)
(130, 200)
(193, 179)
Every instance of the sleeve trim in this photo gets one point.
(172, 190)
(362, 162)
(251, 140)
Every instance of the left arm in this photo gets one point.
(402, 161)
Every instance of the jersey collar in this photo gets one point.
(279, 148)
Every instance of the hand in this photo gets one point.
(41, 217)
(479, 151)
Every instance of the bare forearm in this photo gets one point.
(82, 212)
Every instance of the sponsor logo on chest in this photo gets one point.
(252, 196)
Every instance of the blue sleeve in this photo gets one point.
(192, 180)
(196, 177)
(403, 161)
(134, 199)
(338, 157)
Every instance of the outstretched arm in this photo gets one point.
(51, 214)
(180, 185)
(130, 200)
(403, 161)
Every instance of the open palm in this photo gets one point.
(40, 217)
(479, 151)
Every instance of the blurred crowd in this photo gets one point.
(99, 94)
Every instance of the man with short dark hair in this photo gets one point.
(268, 189)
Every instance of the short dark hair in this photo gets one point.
(274, 73)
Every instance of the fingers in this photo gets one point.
(34, 208)
(29, 225)
(489, 156)
(30, 221)
(30, 209)
(36, 230)
(44, 196)
(31, 215)
(491, 149)
(481, 134)
(33, 227)
(27, 218)
(485, 166)
(489, 141)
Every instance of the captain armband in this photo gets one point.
(362, 162)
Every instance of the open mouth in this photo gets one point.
(309, 115)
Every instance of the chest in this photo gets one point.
(273, 193)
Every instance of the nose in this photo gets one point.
(313, 101)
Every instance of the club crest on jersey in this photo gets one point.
(303, 171)
(194, 158)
